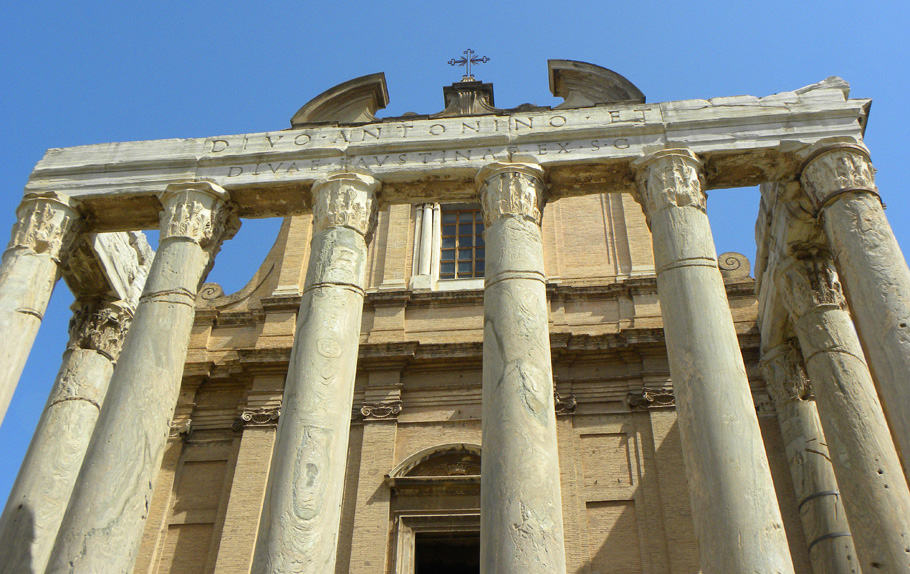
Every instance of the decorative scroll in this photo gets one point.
(651, 399)
(565, 405)
(511, 189)
(670, 178)
(101, 326)
(262, 417)
(836, 170)
(733, 266)
(346, 200)
(45, 224)
(381, 410)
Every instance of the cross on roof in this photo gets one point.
(466, 61)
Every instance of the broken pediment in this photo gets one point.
(354, 101)
(582, 84)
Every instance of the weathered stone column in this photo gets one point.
(865, 461)
(102, 528)
(42, 489)
(30, 268)
(821, 509)
(521, 529)
(734, 506)
(840, 182)
(298, 532)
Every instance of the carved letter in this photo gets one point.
(224, 144)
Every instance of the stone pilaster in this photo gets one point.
(42, 489)
(102, 528)
(521, 526)
(298, 530)
(868, 470)
(840, 182)
(42, 235)
(821, 508)
(734, 506)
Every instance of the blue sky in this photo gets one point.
(89, 72)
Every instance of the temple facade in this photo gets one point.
(484, 340)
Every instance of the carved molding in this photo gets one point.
(515, 189)
(808, 280)
(381, 410)
(832, 171)
(199, 211)
(565, 404)
(670, 178)
(262, 417)
(100, 325)
(346, 199)
(46, 223)
(651, 399)
(785, 373)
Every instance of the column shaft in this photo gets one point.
(734, 506)
(876, 497)
(28, 272)
(102, 528)
(821, 509)
(840, 182)
(298, 532)
(48, 473)
(521, 527)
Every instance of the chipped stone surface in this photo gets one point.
(102, 528)
(734, 507)
(521, 512)
(298, 532)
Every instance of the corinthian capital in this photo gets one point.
(833, 170)
(46, 223)
(808, 281)
(100, 326)
(669, 178)
(346, 199)
(198, 211)
(511, 189)
(785, 373)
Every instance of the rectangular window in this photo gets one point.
(462, 251)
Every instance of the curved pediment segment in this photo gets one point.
(582, 84)
(354, 101)
(440, 461)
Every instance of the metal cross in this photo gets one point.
(466, 61)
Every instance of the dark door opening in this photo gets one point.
(447, 553)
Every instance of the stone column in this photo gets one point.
(734, 506)
(102, 528)
(30, 268)
(298, 531)
(865, 461)
(821, 509)
(42, 489)
(521, 528)
(840, 182)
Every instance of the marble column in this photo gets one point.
(521, 527)
(840, 182)
(42, 489)
(298, 531)
(734, 506)
(821, 509)
(868, 470)
(42, 234)
(102, 528)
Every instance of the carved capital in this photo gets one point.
(198, 211)
(180, 428)
(46, 223)
(669, 178)
(262, 417)
(565, 404)
(381, 410)
(785, 373)
(346, 199)
(651, 399)
(808, 280)
(832, 171)
(511, 189)
(100, 325)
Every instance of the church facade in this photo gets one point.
(484, 340)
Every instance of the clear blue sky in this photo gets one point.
(89, 72)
